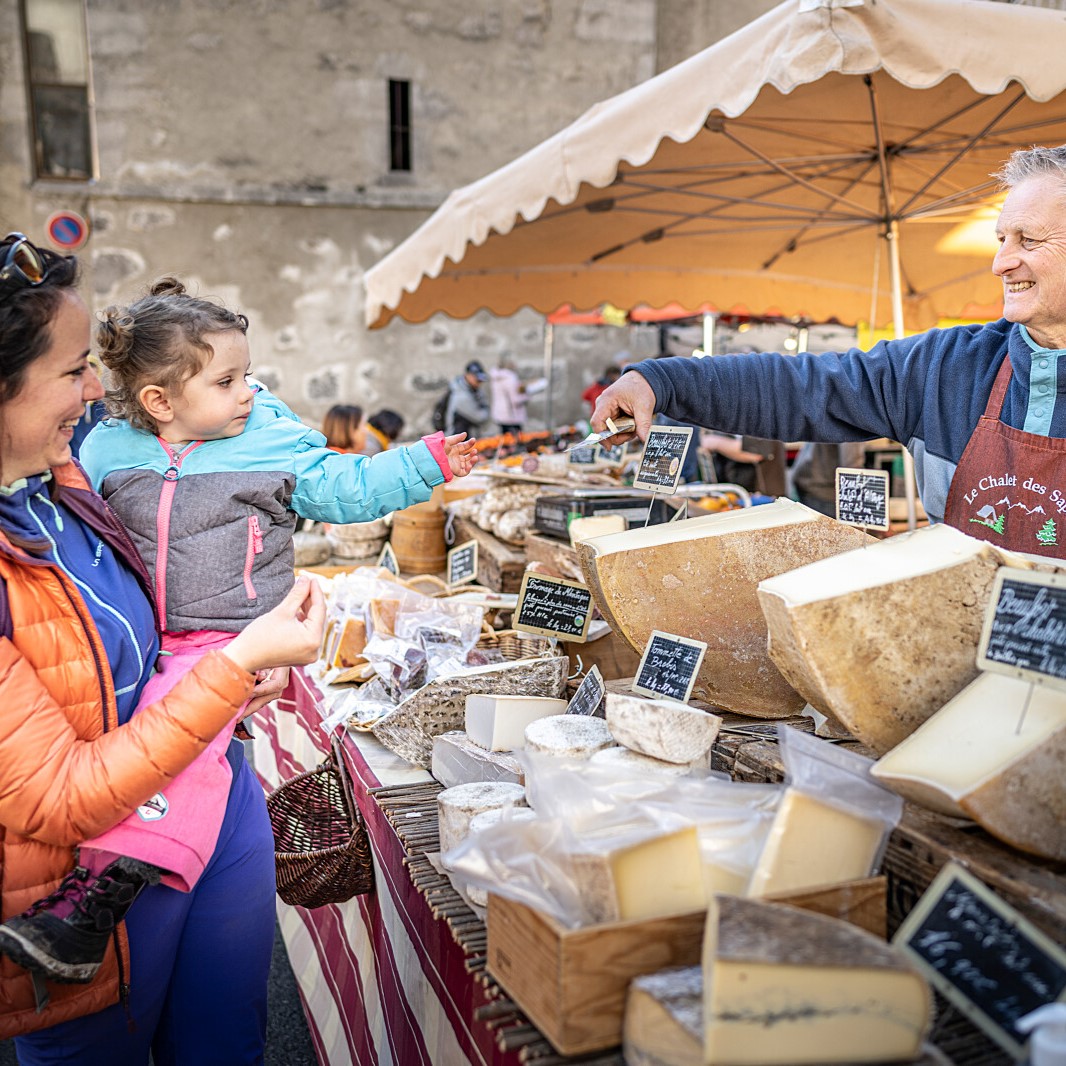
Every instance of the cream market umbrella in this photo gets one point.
(762, 175)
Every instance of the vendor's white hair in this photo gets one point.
(1033, 162)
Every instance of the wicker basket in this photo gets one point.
(322, 850)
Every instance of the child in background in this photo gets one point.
(209, 475)
(344, 429)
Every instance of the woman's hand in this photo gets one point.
(289, 635)
(461, 454)
(269, 685)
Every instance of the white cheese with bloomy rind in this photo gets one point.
(672, 732)
(697, 578)
(498, 723)
(570, 736)
(652, 877)
(457, 760)
(811, 844)
(477, 895)
(457, 806)
(995, 753)
(879, 638)
(664, 1019)
(785, 986)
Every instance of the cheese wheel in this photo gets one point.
(570, 736)
(457, 806)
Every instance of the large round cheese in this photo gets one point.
(569, 736)
(457, 806)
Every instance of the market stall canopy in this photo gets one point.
(761, 174)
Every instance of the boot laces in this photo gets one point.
(91, 896)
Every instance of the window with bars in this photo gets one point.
(57, 70)
(399, 125)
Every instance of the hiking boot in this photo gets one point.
(64, 936)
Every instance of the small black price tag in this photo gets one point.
(1025, 627)
(387, 559)
(584, 455)
(590, 696)
(661, 461)
(862, 497)
(669, 666)
(462, 563)
(982, 955)
(553, 607)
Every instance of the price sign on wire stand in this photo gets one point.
(983, 956)
(862, 497)
(590, 695)
(1024, 633)
(669, 666)
(664, 454)
(553, 607)
(462, 563)
(387, 560)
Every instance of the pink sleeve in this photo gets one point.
(435, 443)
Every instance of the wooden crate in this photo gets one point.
(500, 566)
(571, 983)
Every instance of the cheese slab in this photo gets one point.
(664, 1019)
(981, 757)
(669, 731)
(457, 760)
(697, 579)
(881, 637)
(812, 843)
(457, 806)
(498, 723)
(568, 736)
(632, 762)
(785, 986)
(595, 526)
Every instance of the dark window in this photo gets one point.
(57, 67)
(399, 125)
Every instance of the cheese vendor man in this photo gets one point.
(982, 408)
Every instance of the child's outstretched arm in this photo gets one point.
(462, 454)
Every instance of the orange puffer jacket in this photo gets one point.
(67, 771)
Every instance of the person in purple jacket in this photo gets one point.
(981, 408)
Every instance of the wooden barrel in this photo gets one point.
(418, 539)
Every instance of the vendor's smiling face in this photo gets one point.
(1032, 258)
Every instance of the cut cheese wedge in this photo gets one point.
(650, 878)
(811, 844)
(697, 578)
(595, 526)
(668, 731)
(348, 643)
(664, 1019)
(980, 757)
(880, 638)
(498, 723)
(784, 986)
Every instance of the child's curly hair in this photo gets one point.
(159, 340)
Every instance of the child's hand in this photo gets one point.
(461, 454)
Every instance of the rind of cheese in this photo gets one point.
(571, 736)
(697, 579)
(980, 757)
(457, 760)
(668, 731)
(498, 723)
(629, 761)
(664, 1019)
(811, 844)
(457, 806)
(880, 638)
(785, 986)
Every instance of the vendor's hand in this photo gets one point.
(631, 396)
(289, 635)
(461, 454)
(269, 685)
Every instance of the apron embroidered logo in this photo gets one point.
(153, 808)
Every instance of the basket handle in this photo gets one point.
(337, 755)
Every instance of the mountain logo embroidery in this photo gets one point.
(987, 517)
(154, 808)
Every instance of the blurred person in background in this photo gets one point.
(344, 429)
(383, 429)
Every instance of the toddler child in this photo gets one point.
(209, 474)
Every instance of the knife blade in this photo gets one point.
(623, 425)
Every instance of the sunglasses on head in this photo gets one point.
(23, 264)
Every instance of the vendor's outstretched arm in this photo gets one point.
(630, 396)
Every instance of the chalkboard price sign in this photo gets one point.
(862, 497)
(585, 455)
(982, 955)
(462, 563)
(615, 454)
(387, 559)
(662, 458)
(553, 607)
(1025, 627)
(669, 666)
(590, 696)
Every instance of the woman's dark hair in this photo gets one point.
(26, 316)
(341, 425)
(387, 422)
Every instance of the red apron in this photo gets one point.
(1010, 486)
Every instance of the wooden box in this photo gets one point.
(571, 983)
(500, 566)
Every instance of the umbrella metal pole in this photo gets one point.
(549, 360)
(897, 324)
